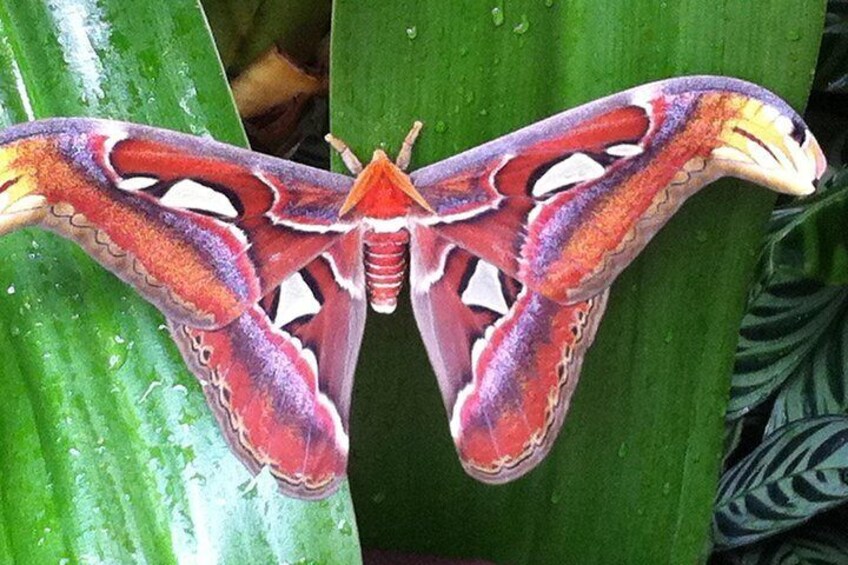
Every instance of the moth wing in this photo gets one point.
(279, 377)
(507, 358)
(200, 228)
(565, 204)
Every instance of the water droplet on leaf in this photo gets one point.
(344, 527)
(498, 16)
(522, 26)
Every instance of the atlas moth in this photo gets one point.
(263, 267)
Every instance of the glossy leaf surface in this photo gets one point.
(632, 476)
(109, 452)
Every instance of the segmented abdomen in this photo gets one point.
(385, 263)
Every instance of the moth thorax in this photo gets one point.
(385, 264)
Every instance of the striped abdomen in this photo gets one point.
(385, 263)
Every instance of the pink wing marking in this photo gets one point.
(507, 359)
(279, 377)
(288, 212)
(589, 188)
(201, 229)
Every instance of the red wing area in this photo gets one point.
(279, 377)
(507, 359)
(201, 229)
(565, 204)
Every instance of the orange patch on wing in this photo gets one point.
(619, 210)
(161, 249)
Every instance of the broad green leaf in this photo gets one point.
(785, 326)
(797, 472)
(108, 453)
(812, 545)
(632, 477)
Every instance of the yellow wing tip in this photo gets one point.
(778, 180)
(761, 145)
(20, 202)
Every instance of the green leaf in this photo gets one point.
(793, 336)
(808, 240)
(784, 328)
(732, 437)
(109, 453)
(632, 477)
(797, 472)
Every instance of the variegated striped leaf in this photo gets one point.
(797, 472)
(812, 546)
(819, 385)
(732, 437)
(807, 240)
(791, 340)
(786, 324)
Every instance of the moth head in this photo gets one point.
(21, 204)
(770, 148)
(383, 190)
